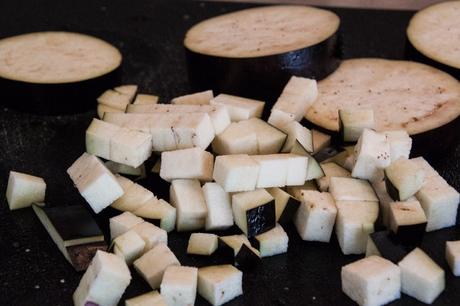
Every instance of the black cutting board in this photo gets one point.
(149, 34)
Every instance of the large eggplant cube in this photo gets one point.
(147, 299)
(202, 244)
(236, 173)
(453, 256)
(372, 154)
(296, 132)
(421, 277)
(179, 285)
(99, 136)
(351, 189)
(239, 108)
(235, 140)
(272, 170)
(192, 163)
(408, 221)
(315, 217)
(244, 254)
(122, 223)
(220, 284)
(386, 245)
(331, 169)
(129, 246)
(285, 205)
(371, 281)
(273, 242)
(296, 191)
(400, 144)
(403, 178)
(97, 185)
(254, 211)
(193, 130)
(104, 282)
(133, 197)
(218, 202)
(151, 234)
(297, 171)
(187, 196)
(355, 221)
(197, 98)
(159, 212)
(130, 147)
(152, 265)
(24, 189)
(353, 122)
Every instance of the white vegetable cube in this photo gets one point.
(128, 90)
(159, 212)
(134, 196)
(453, 256)
(104, 282)
(421, 277)
(202, 244)
(296, 132)
(270, 140)
(151, 234)
(194, 130)
(218, 202)
(179, 285)
(24, 189)
(220, 284)
(351, 189)
(239, 108)
(236, 172)
(131, 148)
(372, 153)
(188, 198)
(114, 99)
(102, 109)
(235, 140)
(272, 242)
(278, 118)
(352, 122)
(99, 136)
(355, 221)
(371, 281)
(408, 221)
(315, 217)
(272, 170)
(147, 299)
(198, 98)
(145, 99)
(296, 191)
(152, 265)
(192, 163)
(95, 182)
(330, 169)
(400, 144)
(129, 246)
(403, 178)
(122, 223)
(297, 167)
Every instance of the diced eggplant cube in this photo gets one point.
(99, 136)
(179, 285)
(129, 246)
(130, 147)
(243, 254)
(372, 153)
(129, 90)
(134, 196)
(236, 173)
(147, 299)
(352, 122)
(273, 242)
(403, 178)
(220, 284)
(278, 118)
(102, 109)
(202, 244)
(385, 244)
(192, 163)
(272, 170)
(254, 211)
(95, 182)
(159, 212)
(408, 221)
(330, 169)
(218, 202)
(355, 221)
(400, 144)
(151, 234)
(371, 281)
(270, 140)
(239, 108)
(384, 201)
(115, 99)
(453, 256)
(421, 277)
(188, 198)
(351, 189)
(236, 139)
(198, 98)
(104, 282)
(316, 215)
(296, 132)
(285, 205)
(297, 172)
(314, 170)
(320, 140)
(24, 189)
(152, 265)
(145, 99)
(296, 191)
(122, 223)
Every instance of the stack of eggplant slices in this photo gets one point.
(341, 155)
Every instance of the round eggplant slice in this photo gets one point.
(56, 72)
(415, 97)
(434, 37)
(254, 52)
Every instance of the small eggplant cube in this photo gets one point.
(386, 245)
(134, 196)
(353, 122)
(218, 202)
(400, 144)
(371, 281)
(236, 173)
(98, 137)
(179, 285)
(239, 108)
(220, 284)
(403, 178)
(24, 189)
(202, 244)
(152, 265)
(272, 170)
(192, 163)
(331, 169)
(296, 132)
(297, 171)
(351, 189)
(285, 205)
(147, 299)
(408, 221)
(151, 234)
(130, 147)
(315, 218)
(453, 256)
(122, 223)
(254, 211)
(158, 212)
(421, 277)
(129, 246)
(273, 242)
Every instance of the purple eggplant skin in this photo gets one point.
(56, 99)
(289, 211)
(264, 77)
(246, 259)
(261, 219)
(411, 235)
(390, 246)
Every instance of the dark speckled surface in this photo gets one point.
(149, 34)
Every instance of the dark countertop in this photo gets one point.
(149, 34)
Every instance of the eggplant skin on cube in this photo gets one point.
(47, 74)
(256, 67)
